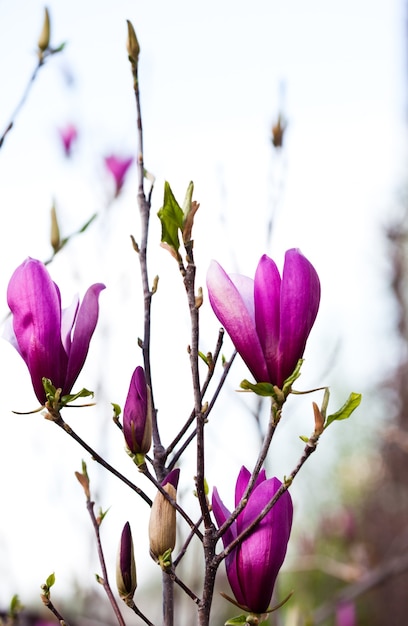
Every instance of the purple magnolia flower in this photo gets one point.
(252, 567)
(118, 168)
(137, 415)
(268, 319)
(68, 135)
(53, 342)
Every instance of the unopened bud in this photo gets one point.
(278, 130)
(55, 238)
(126, 579)
(162, 523)
(44, 40)
(132, 44)
(319, 420)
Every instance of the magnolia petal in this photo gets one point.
(242, 483)
(230, 308)
(172, 478)
(267, 293)
(85, 324)
(260, 556)
(300, 298)
(34, 301)
(221, 514)
(67, 323)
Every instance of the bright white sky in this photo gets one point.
(213, 78)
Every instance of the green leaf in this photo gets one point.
(84, 393)
(50, 580)
(203, 357)
(49, 388)
(59, 48)
(240, 619)
(346, 410)
(15, 606)
(261, 389)
(171, 218)
(303, 438)
(116, 409)
(287, 385)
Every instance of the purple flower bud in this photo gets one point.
(68, 135)
(53, 342)
(118, 168)
(252, 567)
(137, 414)
(268, 319)
(126, 580)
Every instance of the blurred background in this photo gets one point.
(215, 80)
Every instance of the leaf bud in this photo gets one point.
(55, 237)
(132, 44)
(44, 39)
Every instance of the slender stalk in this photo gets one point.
(206, 413)
(210, 373)
(136, 610)
(54, 610)
(105, 580)
(273, 422)
(309, 449)
(144, 210)
(168, 599)
(22, 100)
(57, 419)
(144, 204)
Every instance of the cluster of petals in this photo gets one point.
(53, 342)
(268, 318)
(252, 567)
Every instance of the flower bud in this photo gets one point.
(126, 580)
(132, 44)
(162, 523)
(44, 39)
(55, 237)
(137, 415)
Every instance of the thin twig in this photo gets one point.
(57, 419)
(55, 611)
(210, 374)
(135, 609)
(41, 61)
(206, 413)
(187, 542)
(172, 502)
(309, 449)
(105, 580)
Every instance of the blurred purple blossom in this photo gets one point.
(118, 167)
